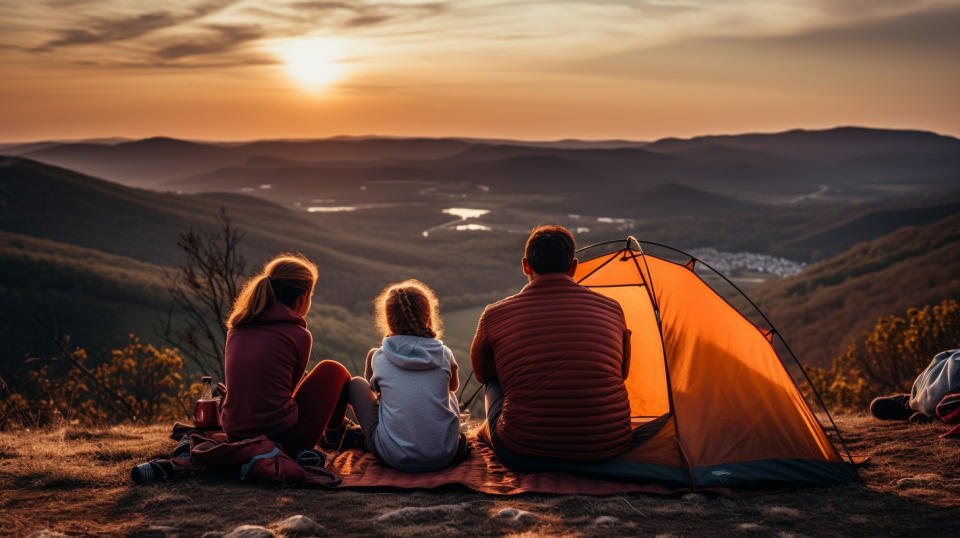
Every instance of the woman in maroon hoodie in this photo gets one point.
(266, 354)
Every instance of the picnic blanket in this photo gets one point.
(482, 472)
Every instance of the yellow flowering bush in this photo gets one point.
(136, 383)
(888, 359)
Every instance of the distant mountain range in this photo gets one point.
(792, 162)
(877, 209)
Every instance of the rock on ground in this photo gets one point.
(517, 515)
(920, 481)
(409, 514)
(250, 531)
(298, 525)
(48, 534)
(606, 522)
(782, 511)
(155, 531)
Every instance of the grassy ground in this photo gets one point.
(77, 482)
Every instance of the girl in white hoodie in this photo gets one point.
(414, 424)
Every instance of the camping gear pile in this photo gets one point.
(935, 395)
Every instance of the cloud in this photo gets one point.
(223, 39)
(871, 7)
(100, 30)
(649, 7)
(234, 60)
(323, 6)
(357, 14)
(366, 20)
(70, 3)
(915, 48)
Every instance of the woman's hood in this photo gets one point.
(414, 352)
(280, 313)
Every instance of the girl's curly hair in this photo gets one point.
(409, 307)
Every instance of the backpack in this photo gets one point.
(941, 377)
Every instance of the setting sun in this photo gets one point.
(312, 62)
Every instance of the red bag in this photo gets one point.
(948, 411)
(258, 458)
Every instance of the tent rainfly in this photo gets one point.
(713, 405)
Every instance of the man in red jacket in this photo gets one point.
(553, 358)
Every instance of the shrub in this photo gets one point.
(888, 359)
(137, 383)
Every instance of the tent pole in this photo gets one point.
(663, 348)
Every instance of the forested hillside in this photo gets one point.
(821, 310)
(89, 258)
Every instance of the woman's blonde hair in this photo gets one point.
(409, 307)
(285, 279)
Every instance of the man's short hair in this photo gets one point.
(550, 249)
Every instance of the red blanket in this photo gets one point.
(481, 471)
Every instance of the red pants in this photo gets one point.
(321, 400)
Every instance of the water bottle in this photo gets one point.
(206, 413)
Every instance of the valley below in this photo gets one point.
(93, 226)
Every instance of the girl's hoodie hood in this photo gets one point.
(414, 352)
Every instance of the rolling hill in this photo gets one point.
(67, 207)
(788, 163)
(821, 310)
(90, 253)
(835, 144)
(667, 201)
(159, 160)
(89, 256)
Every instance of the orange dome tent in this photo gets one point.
(713, 405)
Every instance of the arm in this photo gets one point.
(626, 352)
(481, 353)
(454, 375)
(301, 349)
(368, 367)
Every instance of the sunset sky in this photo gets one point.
(643, 69)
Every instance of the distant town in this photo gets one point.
(728, 262)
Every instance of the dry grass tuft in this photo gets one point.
(418, 514)
(77, 482)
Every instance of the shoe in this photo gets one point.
(150, 472)
(348, 436)
(183, 448)
(353, 438)
(920, 418)
(463, 450)
(891, 407)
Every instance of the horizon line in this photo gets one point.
(121, 139)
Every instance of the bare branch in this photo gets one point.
(202, 291)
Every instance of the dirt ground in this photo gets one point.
(77, 483)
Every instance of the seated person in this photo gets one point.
(553, 358)
(406, 402)
(941, 377)
(267, 349)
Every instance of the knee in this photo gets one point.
(358, 381)
(332, 369)
(358, 386)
